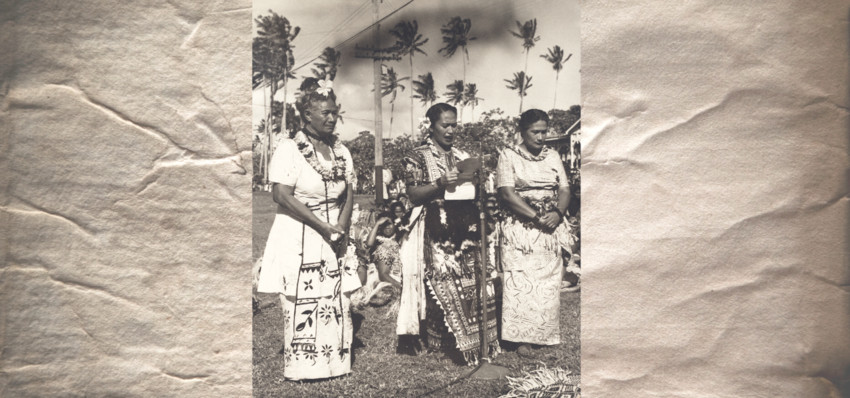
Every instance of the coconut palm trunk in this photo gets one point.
(392, 110)
(527, 51)
(411, 95)
(555, 102)
(283, 110)
(269, 132)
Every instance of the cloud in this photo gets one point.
(495, 54)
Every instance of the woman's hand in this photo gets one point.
(331, 233)
(550, 220)
(450, 178)
(382, 220)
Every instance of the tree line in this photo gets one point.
(273, 63)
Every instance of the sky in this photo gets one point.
(494, 56)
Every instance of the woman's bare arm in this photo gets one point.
(344, 219)
(283, 195)
(515, 203)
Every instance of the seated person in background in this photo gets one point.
(382, 241)
(404, 200)
(383, 281)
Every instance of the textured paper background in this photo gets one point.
(127, 207)
(715, 211)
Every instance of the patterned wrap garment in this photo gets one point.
(451, 255)
(531, 257)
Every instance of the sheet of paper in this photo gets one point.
(715, 211)
(465, 191)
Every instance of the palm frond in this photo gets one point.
(424, 88)
(454, 93)
(408, 38)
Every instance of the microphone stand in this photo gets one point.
(486, 370)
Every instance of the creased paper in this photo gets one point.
(126, 199)
(714, 198)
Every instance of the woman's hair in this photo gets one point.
(434, 112)
(530, 117)
(394, 205)
(386, 214)
(309, 96)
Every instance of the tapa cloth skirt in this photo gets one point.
(330, 353)
(314, 287)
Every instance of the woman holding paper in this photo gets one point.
(312, 173)
(443, 246)
(533, 185)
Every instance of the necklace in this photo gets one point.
(528, 156)
(337, 171)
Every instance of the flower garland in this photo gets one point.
(528, 156)
(337, 172)
(425, 127)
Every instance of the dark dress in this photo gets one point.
(452, 261)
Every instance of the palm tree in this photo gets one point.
(556, 57)
(456, 36)
(526, 32)
(390, 84)
(520, 83)
(409, 41)
(272, 62)
(471, 98)
(424, 89)
(329, 62)
(454, 95)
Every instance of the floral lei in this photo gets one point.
(527, 156)
(337, 172)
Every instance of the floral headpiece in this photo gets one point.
(325, 87)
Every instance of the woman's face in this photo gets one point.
(398, 212)
(443, 130)
(322, 117)
(533, 136)
(491, 207)
(388, 230)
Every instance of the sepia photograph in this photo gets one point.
(398, 194)
(416, 198)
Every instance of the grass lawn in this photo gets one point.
(377, 370)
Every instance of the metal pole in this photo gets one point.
(486, 370)
(485, 344)
(379, 136)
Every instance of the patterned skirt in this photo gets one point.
(317, 344)
(453, 309)
(531, 296)
(315, 289)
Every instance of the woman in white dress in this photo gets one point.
(312, 174)
(533, 185)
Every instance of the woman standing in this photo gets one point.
(443, 247)
(533, 185)
(312, 175)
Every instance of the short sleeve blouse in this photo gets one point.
(516, 171)
(288, 167)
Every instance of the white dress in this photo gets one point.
(531, 258)
(299, 264)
